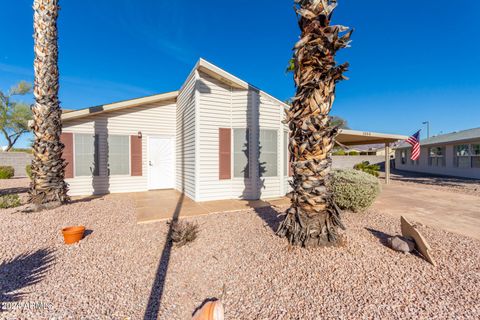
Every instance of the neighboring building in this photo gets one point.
(218, 137)
(453, 154)
(377, 149)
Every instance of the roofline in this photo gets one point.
(75, 114)
(442, 143)
(230, 79)
(373, 134)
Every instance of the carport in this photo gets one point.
(355, 138)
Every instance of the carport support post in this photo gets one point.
(387, 163)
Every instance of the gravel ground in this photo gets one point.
(466, 186)
(109, 275)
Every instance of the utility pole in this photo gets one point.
(428, 128)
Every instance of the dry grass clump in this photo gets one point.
(183, 232)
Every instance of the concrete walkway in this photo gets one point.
(161, 205)
(455, 212)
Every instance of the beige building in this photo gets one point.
(453, 154)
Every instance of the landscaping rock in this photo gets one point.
(401, 244)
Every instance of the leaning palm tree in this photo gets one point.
(313, 217)
(48, 187)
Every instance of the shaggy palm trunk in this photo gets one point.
(313, 217)
(48, 185)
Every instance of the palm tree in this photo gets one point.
(48, 187)
(313, 217)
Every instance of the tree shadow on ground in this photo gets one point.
(23, 271)
(87, 199)
(16, 190)
(270, 216)
(381, 236)
(158, 286)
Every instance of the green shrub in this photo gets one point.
(340, 152)
(28, 169)
(353, 190)
(366, 167)
(9, 201)
(6, 172)
(353, 153)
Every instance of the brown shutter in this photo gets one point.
(225, 156)
(136, 156)
(67, 139)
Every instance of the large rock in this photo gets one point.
(401, 244)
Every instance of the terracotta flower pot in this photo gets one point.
(73, 234)
(212, 310)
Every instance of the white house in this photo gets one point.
(218, 137)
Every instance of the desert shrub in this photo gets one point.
(366, 167)
(9, 201)
(340, 152)
(353, 190)
(183, 232)
(353, 153)
(28, 169)
(6, 172)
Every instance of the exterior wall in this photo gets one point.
(17, 160)
(448, 170)
(221, 106)
(186, 137)
(347, 162)
(152, 119)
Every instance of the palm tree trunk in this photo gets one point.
(313, 218)
(48, 185)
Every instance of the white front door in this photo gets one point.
(161, 163)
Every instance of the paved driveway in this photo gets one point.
(451, 211)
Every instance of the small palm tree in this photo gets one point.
(48, 185)
(313, 217)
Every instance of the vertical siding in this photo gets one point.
(186, 138)
(221, 106)
(150, 119)
(214, 112)
(449, 169)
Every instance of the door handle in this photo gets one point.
(150, 163)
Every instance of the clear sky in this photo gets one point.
(410, 61)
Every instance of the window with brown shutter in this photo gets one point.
(67, 139)
(225, 150)
(136, 155)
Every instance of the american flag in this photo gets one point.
(414, 140)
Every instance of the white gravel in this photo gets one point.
(109, 275)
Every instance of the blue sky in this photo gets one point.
(410, 61)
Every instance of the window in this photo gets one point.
(240, 153)
(476, 155)
(118, 155)
(268, 149)
(86, 155)
(436, 157)
(462, 156)
(285, 153)
(403, 157)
